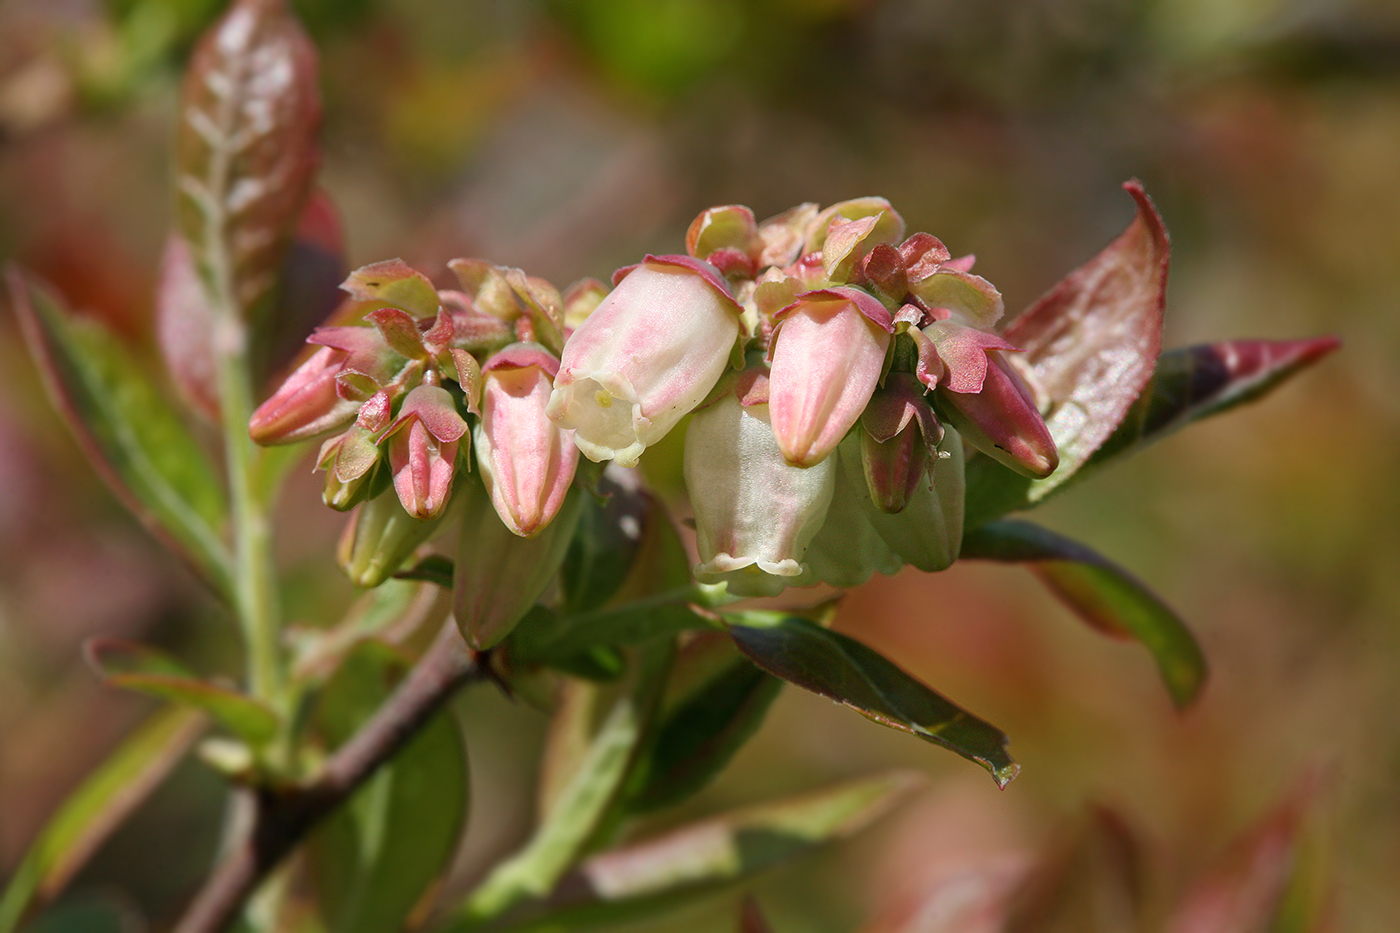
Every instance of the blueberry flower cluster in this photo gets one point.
(440, 383)
(834, 368)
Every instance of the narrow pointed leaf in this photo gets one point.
(1102, 594)
(127, 428)
(1090, 344)
(146, 670)
(562, 638)
(1197, 382)
(96, 809)
(378, 856)
(587, 793)
(246, 150)
(667, 871)
(1189, 384)
(1262, 882)
(716, 701)
(1092, 341)
(840, 668)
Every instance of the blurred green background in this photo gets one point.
(569, 138)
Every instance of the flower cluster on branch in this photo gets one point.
(833, 366)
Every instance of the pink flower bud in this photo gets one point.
(306, 404)
(828, 352)
(1002, 421)
(423, 450)
(527, 461)
(898, 440)
(927, 532)
(755, 513)
(647, 355)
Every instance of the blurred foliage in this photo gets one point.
(568, 138)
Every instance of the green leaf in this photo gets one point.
(392, 612)
(1189, 384)
(553, 639)
(716, 701)
(640, 879)
(1103, 594)
(96, 808)
(146, 670)
(127, 428)
(840, 668)
(377, 857)
(1197, 382)
(625, 549)
(585, 775)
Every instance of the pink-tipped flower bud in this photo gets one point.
(1001, 420)
(306, 405)
(898, 442)
(500, 575)
(423, 445)
(755, 513)
(927, 532)
(647, 355)
(527, 461)
(828, 352)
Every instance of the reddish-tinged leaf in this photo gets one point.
(1092, 341)
(143, 669)
(741, 843)
(840, 668)
(1092, 881)
(716, 700)
(185, 324)
(396, 284)
(1259, 884)
(246, 152)
(1196, 382)
(970, 900)
(129, 431)
(1102, 594)
(101, 804)
(1189, 384)
(308, 293)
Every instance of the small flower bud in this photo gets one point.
(1002, 421)
(527, 461)
(306, 404)
(927, 532)
(828, 351)
(423, 450)
(647, 355)
(899, 435)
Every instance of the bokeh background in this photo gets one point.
(570, 138)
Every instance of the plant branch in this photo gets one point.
(279, 818)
